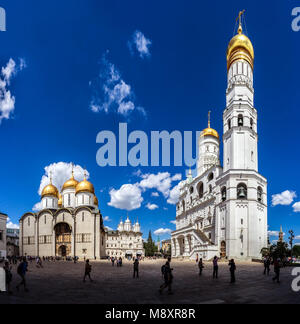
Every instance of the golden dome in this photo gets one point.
(60, 200)
(85, 186)
(71, 183)
(50, 190)
(240, 48)
(96, 202)
(210, 132)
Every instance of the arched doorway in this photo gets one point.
(63, 235)
(223, 249)
(62, 251)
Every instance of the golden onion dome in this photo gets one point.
(210, 132)
(50, 190)
(70, 184)
(85, 186)
(240, 48)
(60, 200)
(96, 202)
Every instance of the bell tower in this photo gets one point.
(243, 196)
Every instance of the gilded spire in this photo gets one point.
(209, 119)
(239, 18)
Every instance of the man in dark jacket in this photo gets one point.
(232, 270)
(168, 277)
(136, 268)
(22, 269)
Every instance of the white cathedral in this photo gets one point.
(223, 210)
(70, 224)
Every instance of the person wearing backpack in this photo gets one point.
(168, 277)
(21, 270)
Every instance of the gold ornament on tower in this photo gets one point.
(96, 202)
(60, 200)
(209, 131)
(240, 47)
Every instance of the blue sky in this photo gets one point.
(67, 44)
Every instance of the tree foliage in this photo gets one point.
(150, 246)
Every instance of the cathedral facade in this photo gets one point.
(69, 223)
(126, 242)
(222, 211)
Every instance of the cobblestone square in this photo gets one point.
(61, 283)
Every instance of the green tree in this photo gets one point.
(291, 240)
(279, 250)
(296, 251)
(150, 246)
(265, 252)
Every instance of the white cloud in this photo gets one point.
(285, 198)
(140, 43)
(297, 237)
(173, 222)
(155, 194)
(106, 219)
(7, 101)
(128, 197)
(11, 225)
(296, 207)
(115, 95)
(108, 228)
(37, 207)
(161, 182)
(163, 231)
(152, 206)
(274, 233)
(174, 195)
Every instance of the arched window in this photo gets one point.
(191, 190)
(251, 123)
(242, 191)
(259, 194)
(69, 200)
(210, 176)
(82, 217)
(210, 189)
(240, 120)
(183, 205)
(200, 189)
(224, 194)
(229, 124)
(45, 219)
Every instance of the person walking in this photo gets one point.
(136, 268)
(232, 270)
(277, 270)
(267, 263)
(113, 261)
(168, 278)
(88, 270)
(22, 270)
(8, 277)
(200, 266)
(215, 267)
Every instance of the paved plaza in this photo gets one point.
(61, 282)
